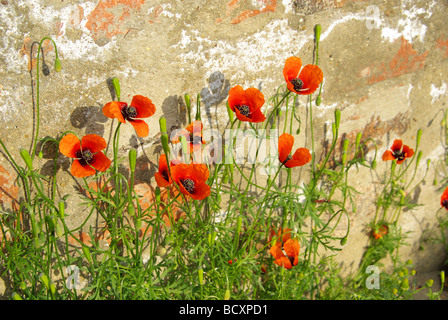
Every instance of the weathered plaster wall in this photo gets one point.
(385, 65)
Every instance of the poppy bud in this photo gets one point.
(337, 118)
(333, 128)
(116, 85)
(61, 210)
(45, 69)
(317, 31)
(394, 291)
(442, 277)
(161, 251)
(44, 279)
(201, 276)
(198, 105)
(429, 283)
(419, 136)
(138, 223)
(26, 157)
(343, 241)
(40, 154)
(131, 209)
(132, 159)
(318, 100)
(50, 223)
(58, 230)
(162, 123)
(227, 294)
(373, 166)
(57, 65)
(157, 193)
(358, 140)
(86, 252)
(239, 223)
(166, 147)
(187, 102)
(52, 288)
(409, 262)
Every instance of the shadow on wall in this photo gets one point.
(217, 92)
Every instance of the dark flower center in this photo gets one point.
(297, 83)
(164, 174)
(445, 203)
(399, 155)
(85, 157)
(129, 112)
(287, 159)
(188, 185)
(244, 110)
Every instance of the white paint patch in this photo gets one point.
(267, 48)
(437, 92)
(288, 6)
(410, 25)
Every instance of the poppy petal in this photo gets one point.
(113, 110)
(101, 162)
(144, 106)
(93, 142)
(292, 68)
(444, 198)
(254, 98)
(276, 251)
(69, 145)
(283, 262)
(235, 96)
(312, 76)
(160, 180)
(408, 152)
(388, 155)
(285, 143)
(141, 127)
(301, 157)
(397, 145)
(201, 191)
(81, 171)
(292, 249)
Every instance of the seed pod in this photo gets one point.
(45, 69)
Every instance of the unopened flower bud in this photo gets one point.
(429, 283)
(165, 143)
(201, 276)
(116, 85)
(162, 124)
(318, 100)
(44, 279)
(57, 65)
(337, 118)
(317, 32)
(15, 296)
(132, 159)
(227, 294)
(26, 157)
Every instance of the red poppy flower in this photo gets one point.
(444, 199)
(87, 154)
(191, 179)
(301, 157)
(398, 151)
(247, 104)
(162, 176)
(193, 136)
(285, 250)
(140, 107)
(380, 231)
(305, 82)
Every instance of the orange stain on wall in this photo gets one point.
(406, 60)
(103, 22)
